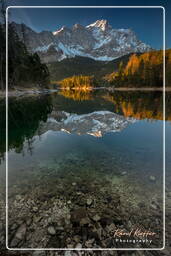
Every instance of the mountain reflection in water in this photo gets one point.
(26, 114)
(96, 123)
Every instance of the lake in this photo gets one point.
(85, 169)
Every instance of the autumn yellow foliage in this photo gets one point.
(143, 70)
(77, 83)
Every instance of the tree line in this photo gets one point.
(145, 70)
(78, 82)
(24, 69)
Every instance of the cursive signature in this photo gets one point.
(138, 233)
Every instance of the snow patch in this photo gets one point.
(96, 123)
(43, 48)
(102, 24)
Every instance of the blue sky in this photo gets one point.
(147, 23)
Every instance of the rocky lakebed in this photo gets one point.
(79, 211)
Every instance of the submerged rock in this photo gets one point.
(67, 253)
(111, 227)
(78, 215)
(84, 221)
(51, 230)
(14, 242)
(35, 209)
(123, 173)
(89, 201)
(96, 217)
(89, 243)
(78, 246)
(21, 232)
(152, 178)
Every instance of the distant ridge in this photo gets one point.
(84, 66)
(98, 41)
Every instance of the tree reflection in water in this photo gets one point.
(26, 113)
(77, 95)
(24, 116)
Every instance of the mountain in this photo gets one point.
(84, 66)
(98, 41)
(96, 123)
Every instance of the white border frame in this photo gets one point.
(85, 249)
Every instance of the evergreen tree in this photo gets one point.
(24, 69)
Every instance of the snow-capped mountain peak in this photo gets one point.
(62, 30)
(102, 24)
(58, 31)
(98, 41)
(77, 26)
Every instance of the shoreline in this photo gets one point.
(168, 89)
(22, 92)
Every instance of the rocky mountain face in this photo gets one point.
(96, 123)
(98, 41)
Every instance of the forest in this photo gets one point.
(145, 70)
(139, 71)
(24, 69)
(78, 82)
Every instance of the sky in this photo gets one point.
(147, 23)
